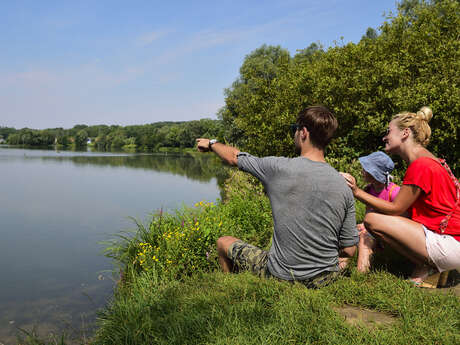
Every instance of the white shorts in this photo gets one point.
(443, 250)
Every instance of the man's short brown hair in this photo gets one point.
(320, 123)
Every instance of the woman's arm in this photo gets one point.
(405, 198)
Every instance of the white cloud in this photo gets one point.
(148, 38)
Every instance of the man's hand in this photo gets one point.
(360, 228)
(343, 263)
(202, 145)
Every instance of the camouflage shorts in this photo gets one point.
(320, 280)
(247, 257)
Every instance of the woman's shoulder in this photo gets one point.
(425, 162)
(424, 172)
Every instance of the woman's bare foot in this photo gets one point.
(424, 276)
(366, 246)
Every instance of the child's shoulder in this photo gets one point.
(392, 186)
(393, 190)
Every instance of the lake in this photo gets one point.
(55, 209)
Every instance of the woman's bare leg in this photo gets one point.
(404, 235)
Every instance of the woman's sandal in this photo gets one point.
(429, 277)
(430, 282)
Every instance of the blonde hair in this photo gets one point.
(418, 124)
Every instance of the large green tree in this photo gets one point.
(412, 62)
(252, 115)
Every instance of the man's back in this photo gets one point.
(313, 213)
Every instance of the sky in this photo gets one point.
(64, 63)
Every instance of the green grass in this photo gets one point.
(175, 300)
(214, 308)
(173, 293)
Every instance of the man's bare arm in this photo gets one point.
(347, 252)
(227, 153)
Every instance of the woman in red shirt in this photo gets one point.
(430, 193)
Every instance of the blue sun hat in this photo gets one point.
(379, 165)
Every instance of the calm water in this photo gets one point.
(54, 209)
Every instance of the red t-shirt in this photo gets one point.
(438, 196)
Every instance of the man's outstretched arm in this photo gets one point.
(227, 153)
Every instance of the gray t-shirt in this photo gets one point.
(313, 214)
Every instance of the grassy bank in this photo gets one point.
(171, 290)
(173, 293)
(213, 308)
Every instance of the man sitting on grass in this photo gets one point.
(313, 209)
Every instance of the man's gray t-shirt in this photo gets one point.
(313, 214)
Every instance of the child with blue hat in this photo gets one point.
(376, 172)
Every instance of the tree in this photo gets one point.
(249, 102)
(413, 62)
(6, 131)
(81, 138)
(370, 34)
(62, 139)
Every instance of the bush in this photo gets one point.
(412, 63)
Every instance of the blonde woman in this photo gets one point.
(430, 193)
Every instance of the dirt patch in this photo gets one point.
(369, 318)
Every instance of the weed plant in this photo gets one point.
(173, 246)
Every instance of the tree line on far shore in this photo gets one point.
(142, 138)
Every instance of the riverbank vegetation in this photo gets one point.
(171, 291)
(136, 138)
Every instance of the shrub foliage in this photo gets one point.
(412, 62)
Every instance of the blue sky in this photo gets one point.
(117, 62)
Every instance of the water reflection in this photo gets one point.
(195, 167)
(55, 209)
(200, 167)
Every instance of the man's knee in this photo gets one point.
(223, 243)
